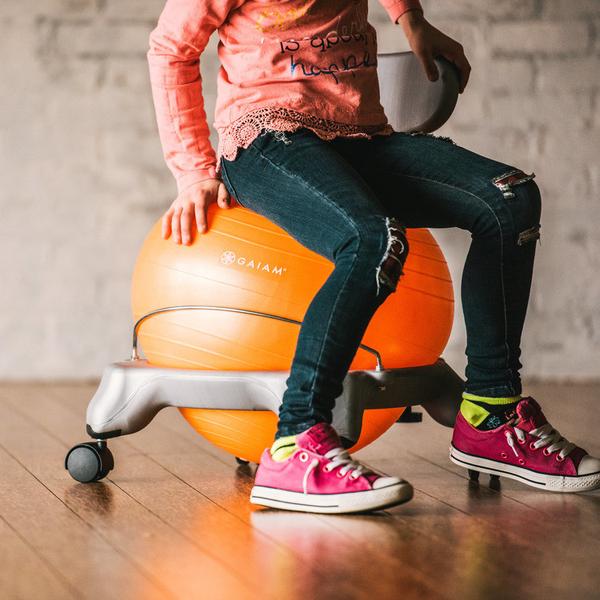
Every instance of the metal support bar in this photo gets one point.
(134, 346)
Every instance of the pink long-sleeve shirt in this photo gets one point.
(285, 64)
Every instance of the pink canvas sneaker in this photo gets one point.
(526, 448)
(320, 476)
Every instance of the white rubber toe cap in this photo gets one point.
(386, 481)
(588, 465)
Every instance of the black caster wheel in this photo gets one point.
(241, 461)
(494, 479)
(89, 461)
(473, 475)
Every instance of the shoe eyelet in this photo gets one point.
(524, 441)
(327, 468)
(303, 456)
(532, 446)
(521, 461)
(340, 474)
(503, 455)
(559, 458)
(353, 476)
(545, 452)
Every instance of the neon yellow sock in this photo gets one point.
(283, 447)
(484, 411)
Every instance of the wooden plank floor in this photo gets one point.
(173, 519)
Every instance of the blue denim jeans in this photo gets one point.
(351, 200)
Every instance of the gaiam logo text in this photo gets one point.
(229, 258)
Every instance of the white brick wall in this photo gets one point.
(83, 176)
(537, 37)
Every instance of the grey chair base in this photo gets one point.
(132, 392)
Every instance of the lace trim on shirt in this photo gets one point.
(242, 132)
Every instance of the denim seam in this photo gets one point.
(338, 209)
(501, 258)
(335, 304)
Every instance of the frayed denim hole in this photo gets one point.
(443, 138)
(390, 268)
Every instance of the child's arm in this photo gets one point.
(425, 40)
(176, 44)
(396, 8)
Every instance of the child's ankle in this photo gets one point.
(283, 447)
(485, 412)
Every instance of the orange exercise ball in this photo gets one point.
(245, 261)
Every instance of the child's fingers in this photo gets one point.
(223, 196)
(198, 215)
(204, 223)
(176, 226)
(456, 55)
(426, 58)
(200, 212)
(166, 224)
(186, 225)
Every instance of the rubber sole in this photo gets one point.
(552, 483)
(368, 500)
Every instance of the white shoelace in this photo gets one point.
(548, 437)
(338, 457)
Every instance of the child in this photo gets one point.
(304, 141)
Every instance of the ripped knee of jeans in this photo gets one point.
(506, 182)
(391, 266)
(528, 235)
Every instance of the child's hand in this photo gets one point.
(191, 206)
(427, 42)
